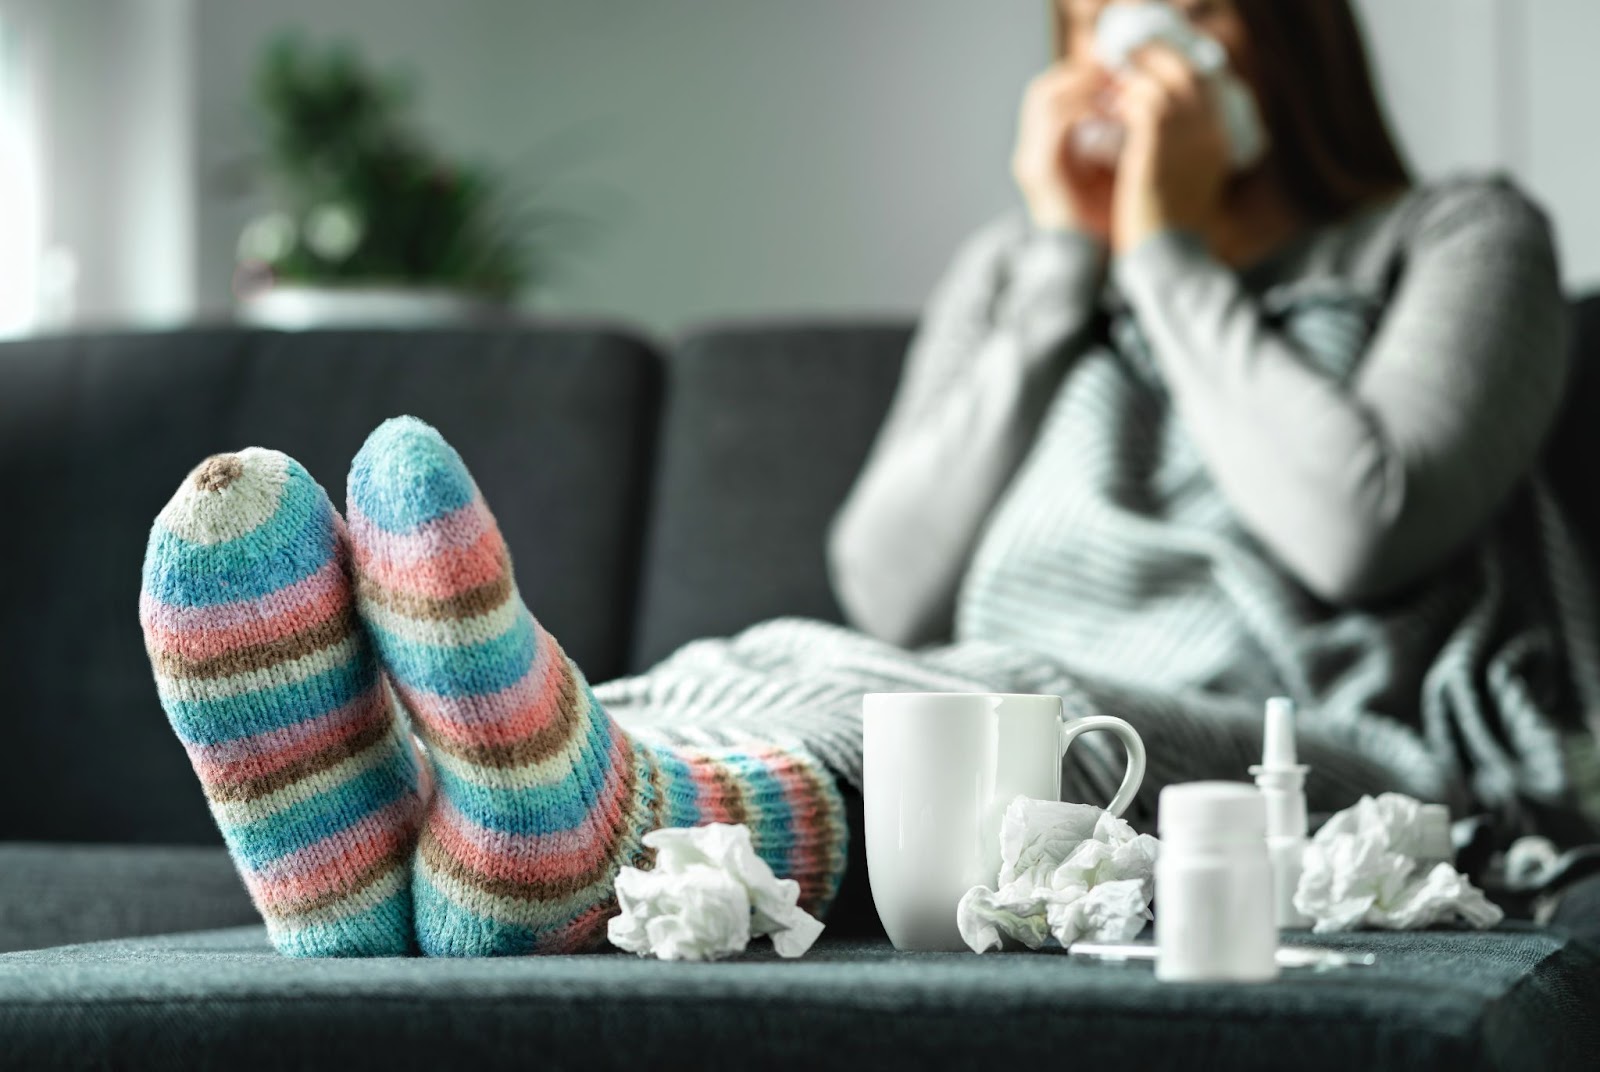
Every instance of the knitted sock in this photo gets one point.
(541, 796)
(268, 679)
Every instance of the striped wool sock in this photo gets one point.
(269, 681)
(541, 797)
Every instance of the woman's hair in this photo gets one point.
(1332, 146)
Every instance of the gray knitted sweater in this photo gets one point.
(1316, 476)
(1167, 490)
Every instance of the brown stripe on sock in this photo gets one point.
(644, 857)
(439, 859)
(472, 603)
(379, 870)
(537, 746)
(324, 634)
(729, 794)
(373, 730)
(817, 821)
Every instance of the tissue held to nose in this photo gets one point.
(1122, 30)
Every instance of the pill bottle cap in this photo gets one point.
(1212, 812)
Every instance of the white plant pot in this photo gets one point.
(296, 307)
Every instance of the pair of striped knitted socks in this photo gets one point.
(276, 633)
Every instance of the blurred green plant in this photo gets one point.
(364, 198)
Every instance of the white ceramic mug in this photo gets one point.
(939, 771)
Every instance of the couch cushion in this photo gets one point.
(1449, 1001)
(764, 431)
(60, 894)
(97, 432)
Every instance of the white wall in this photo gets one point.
(750, 156)
(112, 95)
(1509, 84)
(745, 157)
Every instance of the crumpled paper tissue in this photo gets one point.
(1378, 864)
(707, 896)
(1067, 871)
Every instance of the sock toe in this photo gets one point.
(406, 475)
(240, 526)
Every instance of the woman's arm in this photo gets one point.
(1007, 318)
(1362, 489)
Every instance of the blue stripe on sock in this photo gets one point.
(316, 818)
(250, 713)
(291, 545)
(464, 670)
(677, 785)
(446, 929)
(773, 831)
(406, 475)
(541, 809)
(384, 930)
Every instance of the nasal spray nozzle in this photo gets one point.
(1282, 781)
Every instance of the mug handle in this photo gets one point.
(1131, 743)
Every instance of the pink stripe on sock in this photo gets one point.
(319, 863)
(206, 632)
(585, 931)
(800, 796)
(448, 572)
(332, 864)
(243, 758)
(505, 717)
(455, 531)
(538, 858)
(709, 793)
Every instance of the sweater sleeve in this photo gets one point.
(992, 346)
(1362, 489)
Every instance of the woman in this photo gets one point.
(1174, 441)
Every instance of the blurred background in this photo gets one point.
(665, 161)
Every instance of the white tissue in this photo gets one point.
(1067, 871)
(1123, 29)
(1380, 864)
(707, 896)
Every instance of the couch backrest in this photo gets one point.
(1573, 457)
(96, 433)
(765, 428)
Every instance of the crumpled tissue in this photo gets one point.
(707, 896)
(1067, 871)
(1369, 866)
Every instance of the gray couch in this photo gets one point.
(649, 498)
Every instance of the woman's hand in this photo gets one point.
(1061, 191)
(1174, 159)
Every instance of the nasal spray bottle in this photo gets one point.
(1282, 782)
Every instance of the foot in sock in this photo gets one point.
(267, 677)
(541, 797)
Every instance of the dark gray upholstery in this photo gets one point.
(1573, 458)
(1437, 1001)
(95, 433)
(765, 429)
(58, 894)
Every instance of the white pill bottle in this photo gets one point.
(1214, 888)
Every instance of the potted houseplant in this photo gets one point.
(371, 225)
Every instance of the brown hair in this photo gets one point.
(1331, 144)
